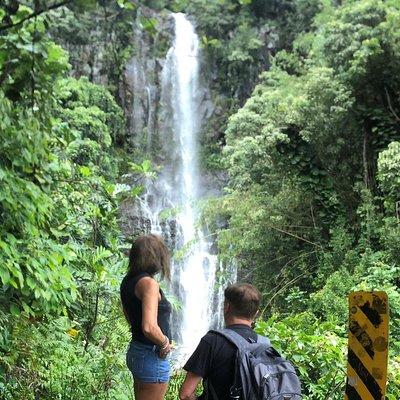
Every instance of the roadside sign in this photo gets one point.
(368, 346)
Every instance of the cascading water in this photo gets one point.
(169, 204)
(197, 273)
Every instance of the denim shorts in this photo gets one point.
(145, 364)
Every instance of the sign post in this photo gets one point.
(368, 346)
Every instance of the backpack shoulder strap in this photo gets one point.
(239, 341)
(233, 337)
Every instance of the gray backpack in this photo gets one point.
(260, 372)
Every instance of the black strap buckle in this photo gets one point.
(235, 392)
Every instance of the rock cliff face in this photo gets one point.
(127, 58)
(140, 90)
(128, 55)
(146, 97)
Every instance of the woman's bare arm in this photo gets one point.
(147, 290)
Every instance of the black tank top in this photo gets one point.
(133, 308)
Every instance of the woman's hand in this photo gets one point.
(165, 350)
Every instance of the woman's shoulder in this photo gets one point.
(146, 280)
(147, 283)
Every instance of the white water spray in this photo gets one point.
(178, 188)
(196, 273)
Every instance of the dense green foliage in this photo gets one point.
(81, 32)
(239, 40)
(61, 259)
(313, 164)
(312, 206)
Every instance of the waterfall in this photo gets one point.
(170, 204)
(194, 276)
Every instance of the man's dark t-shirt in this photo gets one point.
(214, 359)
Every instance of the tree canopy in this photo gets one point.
(305, 133)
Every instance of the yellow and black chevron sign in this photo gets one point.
(368, 346)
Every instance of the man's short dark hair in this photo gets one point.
(244, 299)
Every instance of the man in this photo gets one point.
(214, 358)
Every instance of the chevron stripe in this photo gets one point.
(369, 381)
(352, 393)
(362, 336)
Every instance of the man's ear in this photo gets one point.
(227, 306)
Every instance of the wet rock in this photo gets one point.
(132, 220)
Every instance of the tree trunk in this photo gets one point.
(368, 158)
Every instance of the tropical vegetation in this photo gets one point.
(305, 132)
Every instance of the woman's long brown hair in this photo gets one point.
(149, 254)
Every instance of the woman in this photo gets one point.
(148, 312)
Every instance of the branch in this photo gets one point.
(280, 290)
(390, 105)
(93, 323)
(334, 387)
(293, 235)
(286, 233)
(283, 268)
(35, 14)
